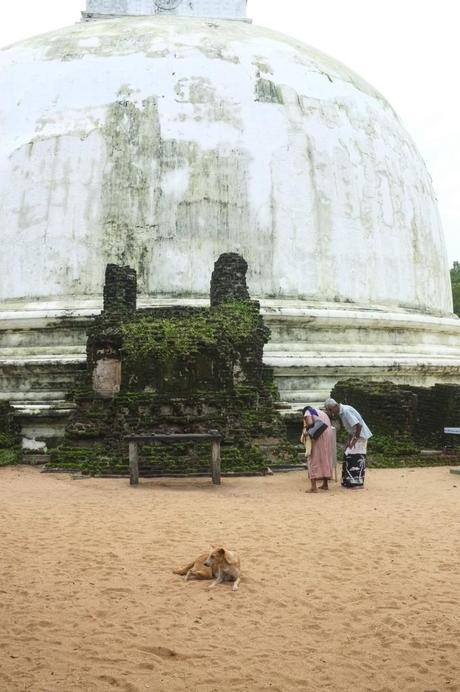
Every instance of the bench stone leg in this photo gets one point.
(133, 464)
(215, 462)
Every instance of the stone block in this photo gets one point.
(107, 377)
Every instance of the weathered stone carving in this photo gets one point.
(107, 377)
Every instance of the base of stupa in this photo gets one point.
(314, 346)
(43, 352)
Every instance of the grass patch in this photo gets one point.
(377, 461)
(9, 457)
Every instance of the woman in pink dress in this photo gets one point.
(320, 462)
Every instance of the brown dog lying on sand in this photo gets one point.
(220, 564)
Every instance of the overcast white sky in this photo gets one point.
(408, 49)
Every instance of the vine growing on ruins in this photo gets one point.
(173, 338)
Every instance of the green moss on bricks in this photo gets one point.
(187, 458)
(170, 339)
(383, 461)
(254, 438)
(394, 446)
(403, 412)
(400, 451)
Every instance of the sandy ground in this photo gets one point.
(351, 590)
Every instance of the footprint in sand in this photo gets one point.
(420, 668)
(118, 684)
(162, 651)
(115, 591)
(146, 666)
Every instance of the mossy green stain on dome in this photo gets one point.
(130, 187)
(268, 92)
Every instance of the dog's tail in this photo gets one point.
(183, 570)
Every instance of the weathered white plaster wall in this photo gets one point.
(230, 9)
(161, 142)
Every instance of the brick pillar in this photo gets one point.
(105, 336)
(228, 280)
(120, 290)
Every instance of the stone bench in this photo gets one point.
(135, 440)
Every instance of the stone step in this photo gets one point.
(36, 410)
(35, 459)
(42, 424)
(39, 380)
(294, 410)
(302, 397)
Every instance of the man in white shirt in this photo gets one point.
(354, 461)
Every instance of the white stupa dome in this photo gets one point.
(164, 139)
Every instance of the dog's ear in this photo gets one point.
(230, 557)
(221, 551)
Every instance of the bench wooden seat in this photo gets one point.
(134, 441)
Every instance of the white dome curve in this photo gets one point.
(161, 142)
